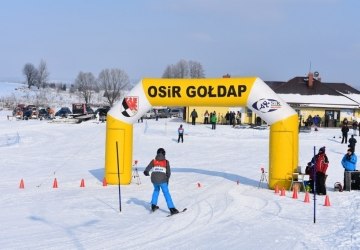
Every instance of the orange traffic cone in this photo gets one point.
(282, 193)
(104, 182)
(327, 201)
(22, 184)
(198, 184)
(307, 197)
(295, 196)
(276, 189)
(55, 185)
(82, 183)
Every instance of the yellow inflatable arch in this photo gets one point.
(250, 91)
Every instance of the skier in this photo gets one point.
(181, 133)
(160, 178)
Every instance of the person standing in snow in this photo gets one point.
(181, 133)
(321, 163)
(160, 179)
(352, 143)
(354, 127)
(193, 115)
(309, 170)
(349, 163)
(344, 130)
(213, 120)
(206, 117)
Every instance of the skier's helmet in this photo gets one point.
(161, 151)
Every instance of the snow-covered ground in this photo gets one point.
(227, 211)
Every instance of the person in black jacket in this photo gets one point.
(160, 179)
(352, 143)
(344, 130)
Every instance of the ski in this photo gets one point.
(177, 213)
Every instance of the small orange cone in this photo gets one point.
(104, 182)
(276, 189)
(82, 183)
(282, 193)
(295, 196)
(327, 201)
(22, 184)
(55, 185)
(198, 184)
(307, 197)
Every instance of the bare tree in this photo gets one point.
(169, 72)
(184, 69)
(31, 74)
(85, 83)
(43, 74)
(113, 81)
(196, 70)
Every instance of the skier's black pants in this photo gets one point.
(181, 136)
(320, 183)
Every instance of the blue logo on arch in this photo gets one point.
(266, 105)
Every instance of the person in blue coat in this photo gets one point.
(349, 162)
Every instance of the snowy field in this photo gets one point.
(227, 211)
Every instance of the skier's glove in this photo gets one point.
(146, 173)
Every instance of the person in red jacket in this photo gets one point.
(160, 176)
(321, 164)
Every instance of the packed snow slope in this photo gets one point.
(215, 174)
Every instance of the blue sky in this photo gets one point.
(275, 40)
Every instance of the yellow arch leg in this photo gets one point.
(284, 151)
(121, 134)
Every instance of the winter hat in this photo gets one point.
(322, 149)
(161, 151)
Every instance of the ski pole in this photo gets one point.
(117, 160)
(314, 174)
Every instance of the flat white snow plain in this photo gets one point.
(227, 211)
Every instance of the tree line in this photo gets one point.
(113, 82)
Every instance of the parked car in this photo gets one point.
(149, 115)
(27, 114)
(163, 113)
(43, 114)
(176, 112)
(63, 112)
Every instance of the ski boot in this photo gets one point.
(154, 207)
(173, 211)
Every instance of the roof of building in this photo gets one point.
(297, 90)
(299, 85)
